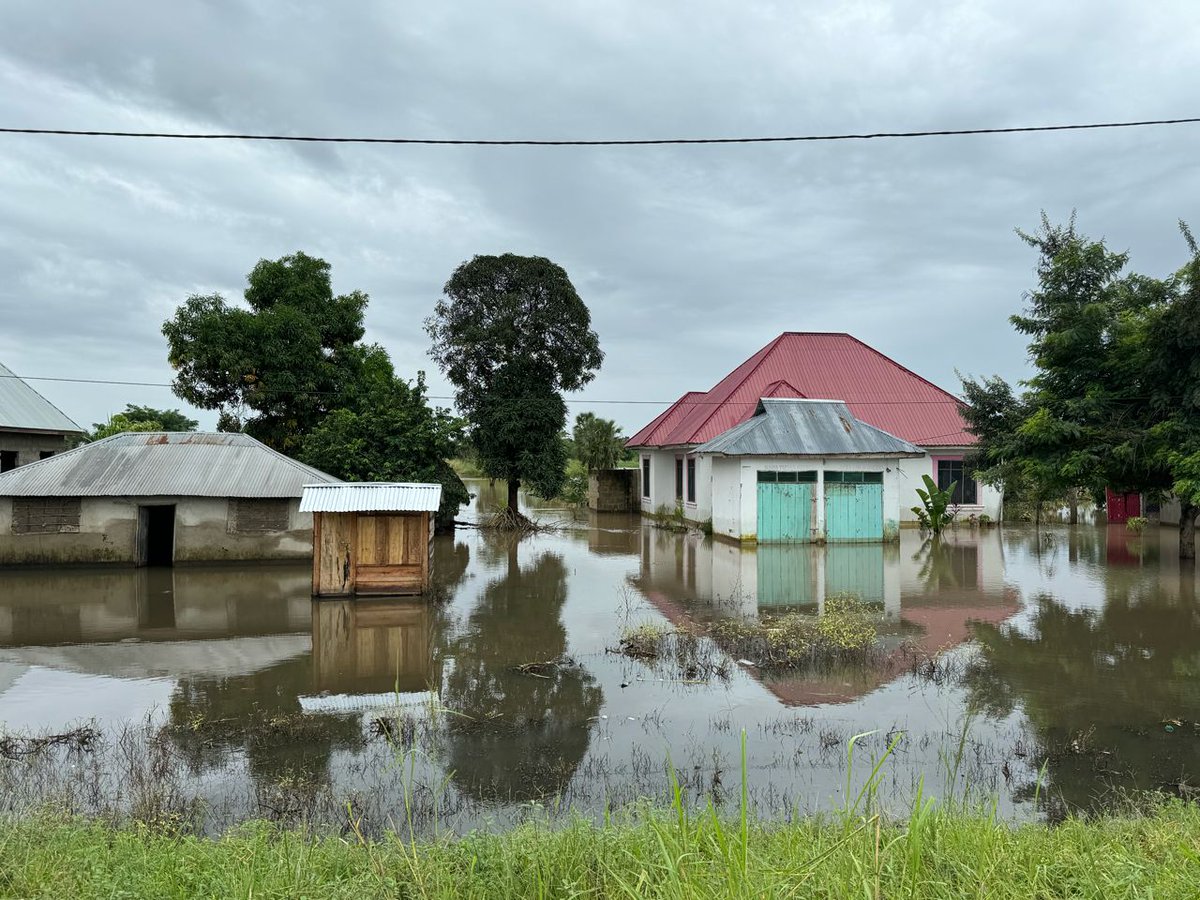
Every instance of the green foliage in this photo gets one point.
(936, 510)
(575, 484)
(1136, 524)
(391, 434)
(516, 432)
(1115, 399)
(511, 334)
(933, 852)
(598, 443)
(277, 368)
(141, 418)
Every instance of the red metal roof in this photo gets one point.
(823, 366)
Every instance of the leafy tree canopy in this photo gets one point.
(389, 434)
(276, 368)
(141, 418)
(1115, 399)
(597, 443)
(511, 334)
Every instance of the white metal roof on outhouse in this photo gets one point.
(165, 464)
(371, 497)
(24, 409)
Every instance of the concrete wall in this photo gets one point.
(108, 534)
(615, 490)
(29, 447)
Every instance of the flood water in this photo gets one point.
(1069, 666)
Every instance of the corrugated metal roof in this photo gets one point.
(371, 497)
(791, 427)
(877, 389)
(24, 409)
(165, 464)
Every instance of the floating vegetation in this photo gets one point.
(846, 631)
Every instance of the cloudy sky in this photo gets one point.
(690, 258)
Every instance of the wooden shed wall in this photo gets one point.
(371, 553)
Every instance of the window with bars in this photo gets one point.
(854, 477)
(956, 472)
(766, 477)
(679, 478)
(691, 479)
(646, 477)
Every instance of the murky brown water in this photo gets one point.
(1076, 647)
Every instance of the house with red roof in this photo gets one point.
(687, 464)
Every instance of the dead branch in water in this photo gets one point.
(14, 747)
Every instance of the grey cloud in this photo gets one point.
(690, 258)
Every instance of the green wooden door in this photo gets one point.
(785, 501)
(853, 506)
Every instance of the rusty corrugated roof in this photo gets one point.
(165, 464)
(877, 389)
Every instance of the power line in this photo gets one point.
(270, 390)
(607, 142)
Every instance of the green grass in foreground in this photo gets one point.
(663, 854)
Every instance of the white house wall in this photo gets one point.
(894, 474)
(991, 500)
(662, 485)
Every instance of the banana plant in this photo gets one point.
(938, 510)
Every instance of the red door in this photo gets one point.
(1122, 507)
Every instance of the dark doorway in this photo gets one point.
(8, 460)
(156, 535)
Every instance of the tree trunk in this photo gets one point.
(513, 487)
(1073, 502)
(1187, 530)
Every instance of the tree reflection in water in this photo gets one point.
(513, 735)
(1111, 695)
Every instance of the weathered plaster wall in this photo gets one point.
(108, 534)
(29, 447)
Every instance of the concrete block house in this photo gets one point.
(684, 467)
(157, 499)
(31, 427)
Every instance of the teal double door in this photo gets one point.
(787, 506)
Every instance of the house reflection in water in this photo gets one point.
(373, 647)
(929, 592)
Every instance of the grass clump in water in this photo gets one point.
(844, 632)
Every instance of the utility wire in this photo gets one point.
(271, 390)
(623, 142)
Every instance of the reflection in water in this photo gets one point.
(1122, 680)
(516, 735)
(371, 647)
(1081, 631)
(66, 606)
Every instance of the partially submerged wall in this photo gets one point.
(615, 490)
(106, 530)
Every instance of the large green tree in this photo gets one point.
(276, 368)
(511, 334)
(390, 434)
(598, 443)
(1114, 398)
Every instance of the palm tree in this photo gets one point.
(599, 443)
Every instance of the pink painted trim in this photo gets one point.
(934, 460)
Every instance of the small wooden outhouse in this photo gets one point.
(371, 538)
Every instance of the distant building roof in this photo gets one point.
(165, 464)
(792, 427)
(877, 389)
(371, 497)
(24, 409)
